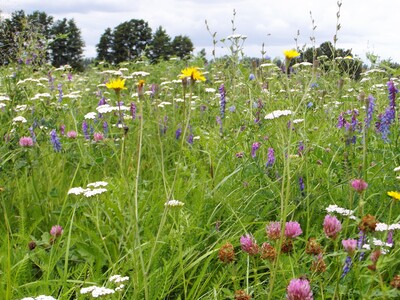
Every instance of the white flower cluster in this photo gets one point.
(118, 278)
(333, 208)
(277, 113)
(174, 203)
(41, 297)
(386, 227)
(88, 192)
(19, 119)
(97, 291)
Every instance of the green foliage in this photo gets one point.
(170, 141)
(160, 46)
(67, 46)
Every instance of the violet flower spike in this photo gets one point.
(55, 141)
(254, 148)
(223, 100)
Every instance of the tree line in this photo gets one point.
(37, 38)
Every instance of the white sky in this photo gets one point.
(366, 25)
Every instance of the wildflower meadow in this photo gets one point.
(187, 179)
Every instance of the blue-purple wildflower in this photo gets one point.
(60, 92)
(301, 184)
(222, 101)
(300, 149)
(347, 266)
(178, 133)
(105, 128)
(85, 130)
(254, 148)
(55, 141)
(271, 157)
(133, 110)
(385, 120)
(33, 135)
(370, 111)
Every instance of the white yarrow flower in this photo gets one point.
(174, 203)
(91, 193)
(97, 184)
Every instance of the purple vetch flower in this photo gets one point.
(222, 101)
(360, 243)
(85, 130)
(347, 266)
(69, 76)
(392, 93)
(55, 141)
(271, 157)
(60, 92)
(301, 184)
(385, 120)
(105, 128)
(190, 138)
(390, 237)
(299, 289)
(370, 111)
(32, 132)
(178, 133)
(102, 101)
(254, 148)
(252, 77)
(300, 149)
(133, 110)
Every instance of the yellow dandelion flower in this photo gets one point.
(192, 73)
(289, 54)
(394, 195)
(141, 83)
(116, 84)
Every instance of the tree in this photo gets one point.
(130, 40)
(182, 46)
(23, 38)
(105, 46)
(67, 45)
(160, 47)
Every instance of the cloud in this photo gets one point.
(365, 25)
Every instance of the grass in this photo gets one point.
(173, 252)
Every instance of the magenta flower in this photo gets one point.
(98, 136)
(72, 134)
(249, 244)
(331, 226)
(56, 231)
(349, 245)
(299, 289)
(26, 141)
(292, 229)
(273, 230)
(359, 185)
